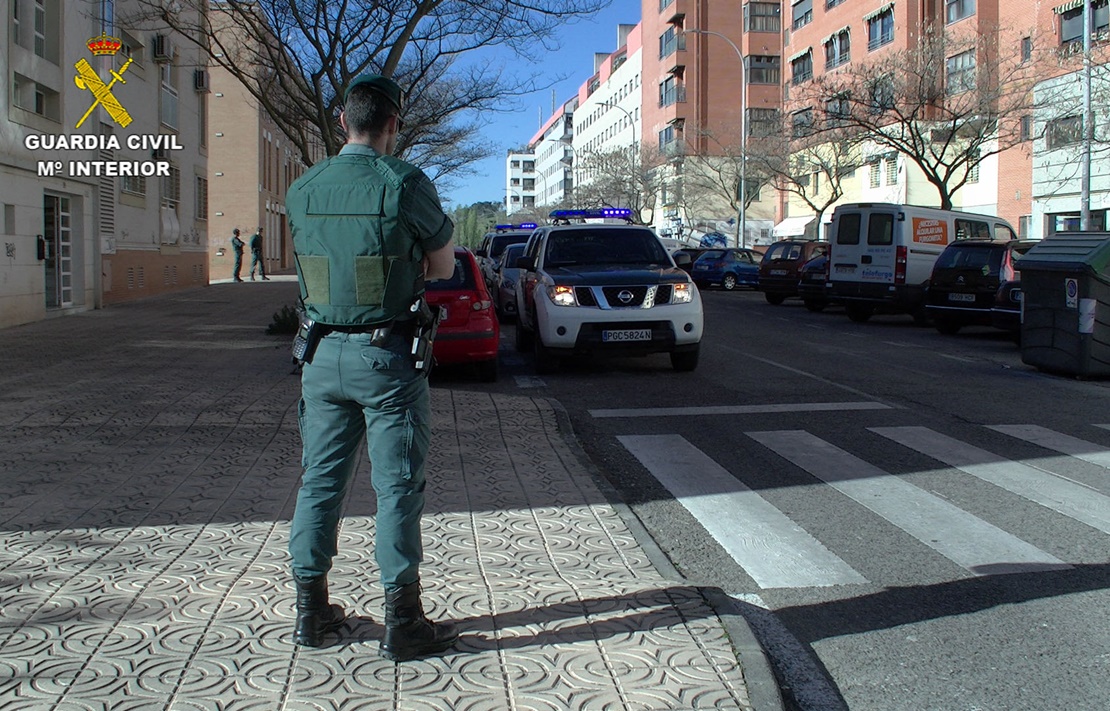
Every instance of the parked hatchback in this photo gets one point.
(780, 268)
(468, 331)
(966, 279)
(729, 268)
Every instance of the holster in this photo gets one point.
(427, 324)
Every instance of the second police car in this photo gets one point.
(596, 288)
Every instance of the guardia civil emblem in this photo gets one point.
(87, 78)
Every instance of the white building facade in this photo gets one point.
(102, 159)
(520, 181)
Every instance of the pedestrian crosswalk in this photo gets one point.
(777, 552)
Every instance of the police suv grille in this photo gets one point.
(633, 295)
(585, 296)
(663, 294)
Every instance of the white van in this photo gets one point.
(881, 254)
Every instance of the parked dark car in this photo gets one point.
(812, 278)
(1006, 312)
(781, 266)
(966, 279)
(730, 268)
(684, 258)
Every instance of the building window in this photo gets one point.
(880, 29)
(15, 23)
(1064, 131)
(134, 184)
(1026, 48)
(669, 42)
(171, 188)
(762, 122)
(31, 96)
(891, 163)
(1025, 223)
(882, 95)
(803, 13)
(801, 123)
(838, 49)
(801, 68)
(830, 4)
(961, 72)
(529, 166)
(1071, 22)
(168, 110)
(838, 110)
(514, 164)
(764, 69)
(40, 28)
(958, 9)
(762, 17)
(671, 92)
(666, 137)
(876, 173)
(1026, 128)
(202, 198)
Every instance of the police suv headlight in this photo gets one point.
(683, 294)
(561, 295)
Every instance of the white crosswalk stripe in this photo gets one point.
(1065, 444)
(1066, 497)
(777, 552)
(966, 540)
(772, 549)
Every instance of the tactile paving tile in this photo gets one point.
(143, 526)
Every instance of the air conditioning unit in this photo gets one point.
(162, 50)
(200, 80)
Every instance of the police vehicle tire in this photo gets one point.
(773, 299)
(729, 282)
(546, 361)
(685, 361)
(523, 340)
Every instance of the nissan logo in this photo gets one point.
(625, 296)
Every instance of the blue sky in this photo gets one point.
(575, 61)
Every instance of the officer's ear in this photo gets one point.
(343, 121)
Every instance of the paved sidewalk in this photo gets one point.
(151, 461)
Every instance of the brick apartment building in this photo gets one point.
(1044, 38)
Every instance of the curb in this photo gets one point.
(759, 677)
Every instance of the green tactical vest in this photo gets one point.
(356, 263)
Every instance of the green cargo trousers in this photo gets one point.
(352, 388)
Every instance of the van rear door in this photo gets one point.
(864, 248)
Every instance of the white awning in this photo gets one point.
(1068, 7)
(872, 15)
(792, 226)
(801, 54)
(843, 30)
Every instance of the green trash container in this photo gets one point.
(1065, 311)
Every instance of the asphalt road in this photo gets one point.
(908, 520)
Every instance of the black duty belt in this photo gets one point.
(397, 328)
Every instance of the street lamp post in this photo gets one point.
(741, 231)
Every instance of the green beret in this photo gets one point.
(380, 84)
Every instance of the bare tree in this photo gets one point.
(622, 177)
(295, 58)
(712, 182)
(947, 104)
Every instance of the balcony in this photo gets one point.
(676, 95)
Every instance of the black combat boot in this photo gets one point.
(315, 616)
(408, 633)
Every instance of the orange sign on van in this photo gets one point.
(930, 231)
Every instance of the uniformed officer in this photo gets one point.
(256, 256)
(368, 229)
(237, 246)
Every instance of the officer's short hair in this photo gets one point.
(368, 108)
(235, 231)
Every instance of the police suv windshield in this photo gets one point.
(590, 246)
(500, 241)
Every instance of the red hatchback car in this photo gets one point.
(470, 332)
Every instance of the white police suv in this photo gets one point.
(603, 288)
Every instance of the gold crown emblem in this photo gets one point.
(104, 45)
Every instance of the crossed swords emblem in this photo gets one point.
(88, 79)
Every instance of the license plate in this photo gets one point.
(961, 297)
(778, 272)
(638, 334)
(844, 270)
(701, 267)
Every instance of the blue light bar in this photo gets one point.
(527, 225)
(618, 212)
(502, 227)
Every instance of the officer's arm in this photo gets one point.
(440, 263)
